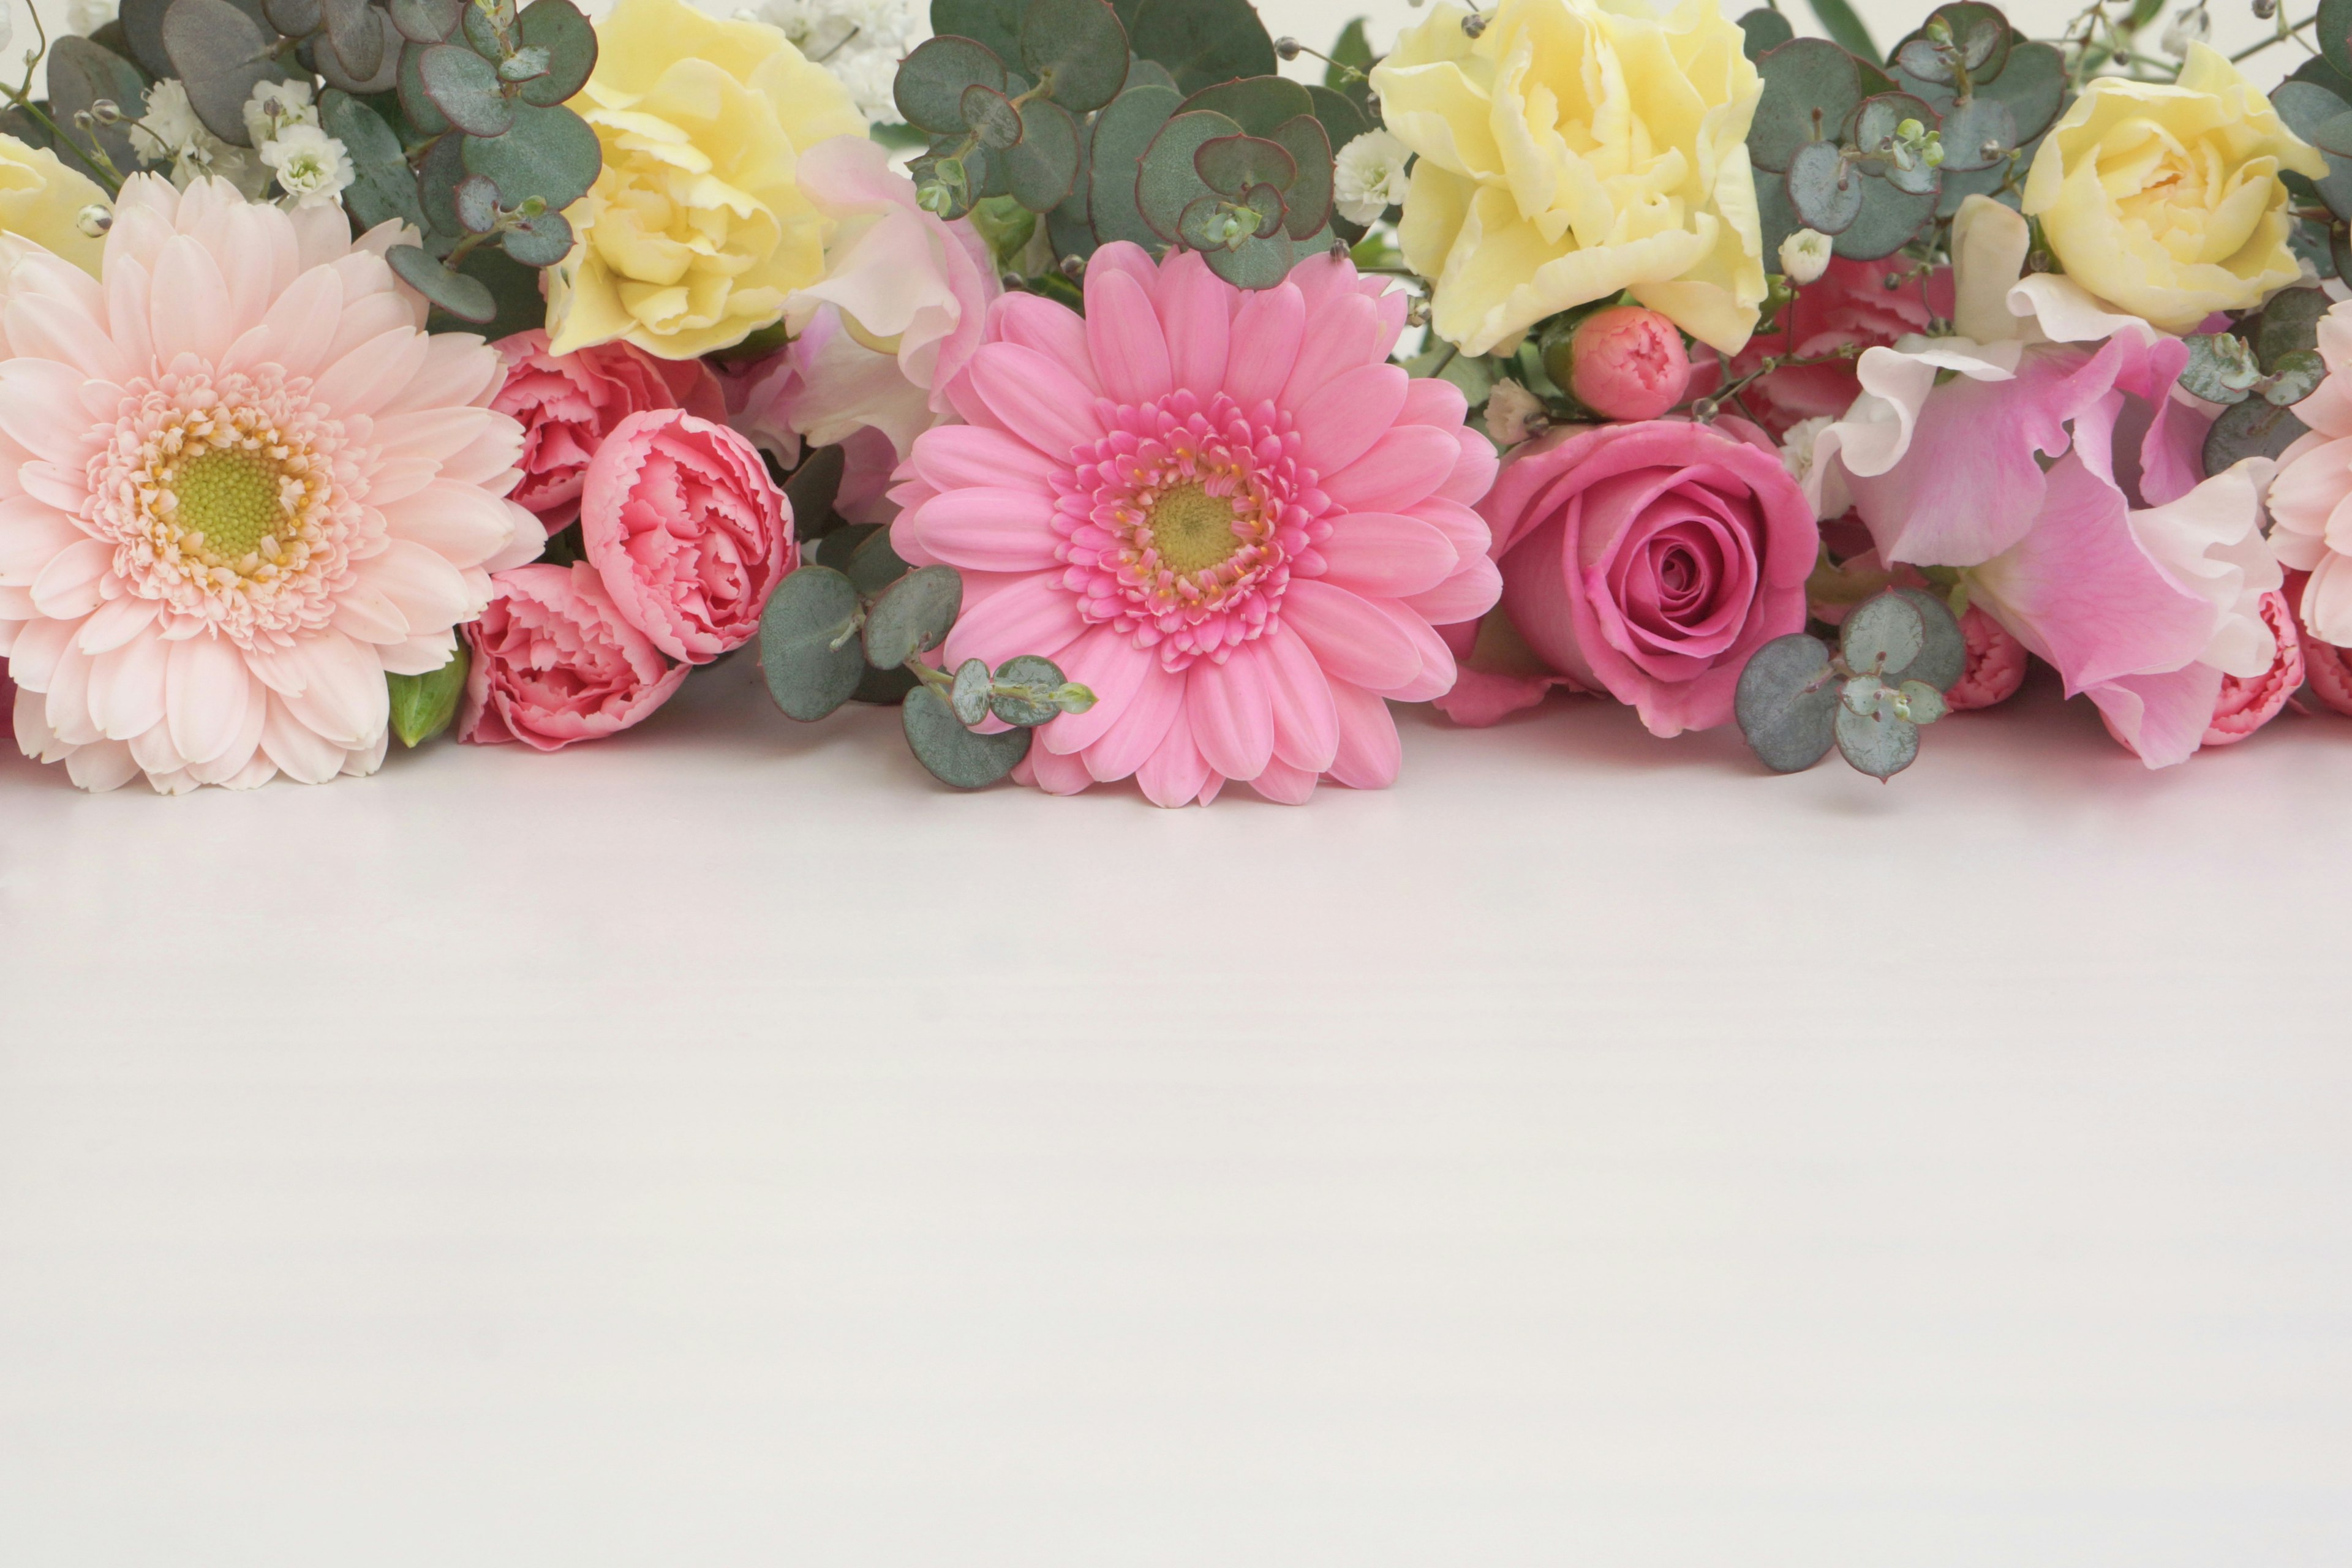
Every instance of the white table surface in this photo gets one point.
(722, 1146)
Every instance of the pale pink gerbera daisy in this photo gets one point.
(238, 484)
(1222, 510)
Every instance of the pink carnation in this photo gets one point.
(568, 404)
(690, 535)
(1848, 306)
(1995, 669)
(2246, 705)
(1224, 511)
(555, 662)
(2328, 666)
(1647, 561)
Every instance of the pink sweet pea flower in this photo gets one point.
(555, 662)
(690, 535)
(1224, 511)
(567, 405)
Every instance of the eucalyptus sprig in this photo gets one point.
(1898, 655)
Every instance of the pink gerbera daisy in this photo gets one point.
(1224, 511)
(238, 484)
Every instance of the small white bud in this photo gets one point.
(1804, 255)
(2190, 27)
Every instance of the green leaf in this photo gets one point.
(1787, 702)
(1023, 688)
(82, 74)
(808, 645)
(483, 20)
(1762, 29)
(1838, 20)
(2298, 376)
(836, 547)
(1307, 198)
(1123, 132)
(1920, 702)
(1881, 745)
(1202, 42)
(1888, 221)
(415, 103)
(930, 84)
(1230, 166)
(438, 179)
(570, 40)
(2306, 105)
(2289, 324)
(1170, 180)
(994, 24)
(884, 687)
(517, 305)
(220, 52)
(989, 115)
(874, 565)
(1810, 87)
(1353, 50)
(465, 88)
(1044, 168)
(913, 616)
(467, 299)
(969, 695)
(2332, 30)
(477, 200)
(1254, 263)
(1883, 635)
(1079, 47)
(423, 705)
(1943, 654)
(142, 28)
(1971, 128)
(1826, 191)
(358, 36)
(2220, 368)
(2254, 428)
(954, 755)
(541, 241)
(550, 153)
(425, 21)
(1257, 104)
(382, 187)
(1006, 225)
(811, 492)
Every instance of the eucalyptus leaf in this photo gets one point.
(2220, 368)
(477, 200)
(1889, 220)
(811, 489)
(990, 115)
(1044, 167)
(1353, 52)
(541, 241)
(1825, 190)
(954, 755)
(1307, 200)
(559, 27)
(1920, 702)
(874, 565)
(835, 548)
(1875, 118)
(516, 303)
(142, 28)
(1169, 181)
(82, 75)
(1838, 20)
(884, 687)
(550, 153)
(220, 52)
(2254, 428)
(1023, 689)
(2289, 324)
(807, 648)
(1230, 166)
(382, 78)
(415, 104)
(1077, 49)
(993, 24)
(913, 616)
(1883, 635)
(382, 187)
(1202, 42)
(1810, 87)
(425, 21)
(465, 88)
(1881, 745)
(2033, 85)
(969, 695)
(1787, 702)
(424, 705)
(1254, 263)
(2331, 31)
(1943, 656)
(352, 33)
(467, 299)
(1977, 134)
(931, 82)
(1763, 29)
(1122, 133)
(1257, 104)
(2297, 377)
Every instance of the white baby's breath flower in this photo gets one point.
(312, 167)
(83, 18)
(1368, 177)
(170, 133)
(275, 106)
(1805, 256)
(1797, 447)
(861, 42)
(2189, 26)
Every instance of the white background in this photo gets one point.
(723, 1146)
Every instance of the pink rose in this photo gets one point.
(555, 662)
(1848, 306)
(567, 405)
(690, 535)
(1628, 364)
(1646, 561)
(2247, 704)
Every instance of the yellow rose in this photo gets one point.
(1574, 150)
(697, 229)
(2163, 200)
(42, 200)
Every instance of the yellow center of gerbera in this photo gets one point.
(1193, 530)
(228, 502)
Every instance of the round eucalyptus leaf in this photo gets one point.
(836, 548)
(1881, 745)
(930, 84)
(2333, 34)
(969, 695)
(485, 21)
(1141, 72)
(465, 88)
(1764, 28)
(1860, 694)
(1786, 703)
(1943, 654)
(1257, 104)
(1875, 118)
(1981, 34)
(2289, 324)
(1307, 200)
(2298, 376)
(1208, 223)
(1977, 134)
(384, 77)
(425, 21)
(82, 74)
(415, 103)
(994, 24)
(438, 178)
(1810, 87)
(1044, 167)
(807, 649)
(1884, 635)
(1169, 181)
(1230, 165)
(550, 153)
(541, 241)
(1077, 49)
(477, 200)
(143, 28)
(1925, 61)
(811, 490)
(1254, 263)
(1024, 691)
(467, 299)
(1888, 221)
(356, 34)
(1342, 121)
(1826, 190)
(382, 187)
(874, 565)
(220, 52)
(1072, 697)
(1920, 702)
(2254, 428)
(954, 755)
(2033, 85)
(990, 115)
(913, 614)
(1201, 42)
(1122, 133)
(569, 40)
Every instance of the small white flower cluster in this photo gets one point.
(310, 167)
(83, 18)
(861, 42)
(1369, 177)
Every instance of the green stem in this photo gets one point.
(2281, 36)
(91, 158)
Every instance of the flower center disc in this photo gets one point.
(231, 497)
(1193, 530)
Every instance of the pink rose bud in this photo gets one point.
(690, 535)
(2246, 706)
(553, 662)
(1995, 667)
(1628, 364)
(567, 405)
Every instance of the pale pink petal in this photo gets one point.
(1265, 344)
(116, 622)
(430, 595)
(1370, 752)
(236, 757)
(206, 689)
(1053, 330)
(1339, 337)
(1176, 772)
(300, 752)
(1468, 594)
(988, 529)
(67, 332)
(1437, 668)
(41, 410)
(361, 381)
(101, 766)
(1351, 412)
(68, 587)
(31, 536)
(1284, 785)
(455, 520)
(1123, 337)
(1053, 773)
(1410, 462)
(298, 329)
(1386, 555)
(1036, 398)
(33, 657)
(126, 691)
(1231, 708)
(1141, 725)
(342, 695)
(1306, 720)
(189, 310)
(2162, 718)
(1354, 641)
(68, 707)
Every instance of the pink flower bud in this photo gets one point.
(2246, 706)
(1628, 364)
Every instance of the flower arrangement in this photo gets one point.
(1117, 407)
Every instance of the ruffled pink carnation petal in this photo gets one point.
(1224, 512)
(555, 662)
(568, 404)
(1995, 667)
(2246, 705)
